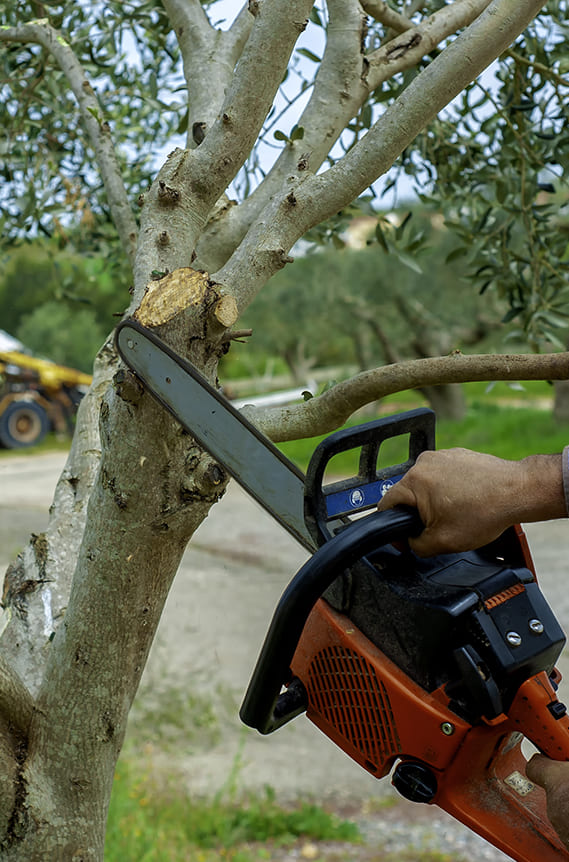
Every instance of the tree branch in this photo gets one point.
(196, 179)
(308, 200)
(407, 49)
(98, 130)
(540, 68)
(250, 95)
(202, 46)
(328, 411)
(338, 92)
(342, 84)
(385, 15)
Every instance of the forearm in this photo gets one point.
(544, 488)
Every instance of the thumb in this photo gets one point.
(553, 776)
(537, 768)
(546, 772)
(397, 495)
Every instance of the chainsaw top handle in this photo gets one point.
(327, 507)
(272, 670)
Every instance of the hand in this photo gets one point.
(466, 499)
(553, 776)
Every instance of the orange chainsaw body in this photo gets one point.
(375, 713)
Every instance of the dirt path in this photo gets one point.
(213, 624)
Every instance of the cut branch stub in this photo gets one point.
(172, 295)
(225, 311)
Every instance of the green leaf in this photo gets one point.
(482, 223)
(280, 136)
(297, 133)
(366, 116)
(408, 261)
(456, 253)
(183, 124)
(501, 191)
(513, 312)
(400, 228)
(309, 55)
(315, 17)
(380, 236)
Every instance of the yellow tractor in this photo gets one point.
(36, 396)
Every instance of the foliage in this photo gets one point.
(93, 97)
(495, 163)
(132, 62)
(59, 303)
(66, 337)
(161, 824)
(362, 307)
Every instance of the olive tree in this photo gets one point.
(95, 97)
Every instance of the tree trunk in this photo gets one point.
(447, 401)
(561, 401)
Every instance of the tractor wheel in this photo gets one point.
(23, 423)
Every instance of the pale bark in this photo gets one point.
(202, 47)
(307, 199)
(383, 13)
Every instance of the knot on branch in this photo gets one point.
(18, 585)
(402, 46)
(127, 386)
(205, 480)
(110, 484)
(167, 195)
(198, 132)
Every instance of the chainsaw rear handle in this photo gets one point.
(272, 671)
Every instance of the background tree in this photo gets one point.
(364, 307)
(93, 95)
(60, 303)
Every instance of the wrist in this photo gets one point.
(542, 493)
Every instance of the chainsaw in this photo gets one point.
(434, 670)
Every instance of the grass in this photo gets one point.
(149, 822)
(50, 443)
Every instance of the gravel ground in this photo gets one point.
(213, 624)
